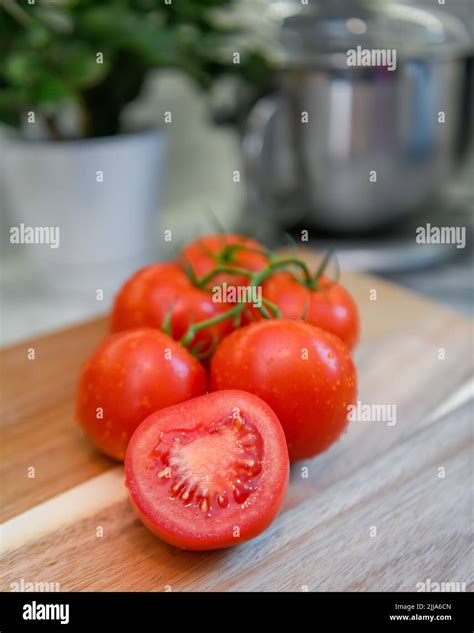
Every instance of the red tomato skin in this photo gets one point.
(129, 376)
(145, 299)
(309, 395)
(196, 533)
(331, 307)
(200, 255)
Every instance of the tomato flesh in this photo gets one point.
(208, 473)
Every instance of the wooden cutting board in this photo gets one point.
(68, 520)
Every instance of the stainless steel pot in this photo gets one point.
(355, 147)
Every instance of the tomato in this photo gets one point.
(149, 294)
(204, 254)
(330, 307)
(208, 473)
(130, 375)
(305, 374)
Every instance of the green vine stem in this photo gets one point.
(230, 249)
(202, 283)
(309, 282)
(188, 337)
(323, 265)
(264, 312)
(268, 309)
(273, 307)
(166, 325)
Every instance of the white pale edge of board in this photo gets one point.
(463, 395)
(68, 507)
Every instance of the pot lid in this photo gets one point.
(324, 32)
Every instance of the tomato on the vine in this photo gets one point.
(162, 290)
(130, 375)
(208, 473)
(304, 373)
(206, 253)
(330, 306)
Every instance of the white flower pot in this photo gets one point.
(102, 194)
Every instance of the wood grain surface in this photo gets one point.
(72, 523)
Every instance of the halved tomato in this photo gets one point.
(210, 472)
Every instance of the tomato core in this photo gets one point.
(209, 467)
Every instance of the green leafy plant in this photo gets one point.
(98, 53)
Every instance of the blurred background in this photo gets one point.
(134, 126)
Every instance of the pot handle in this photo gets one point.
(253, 145)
